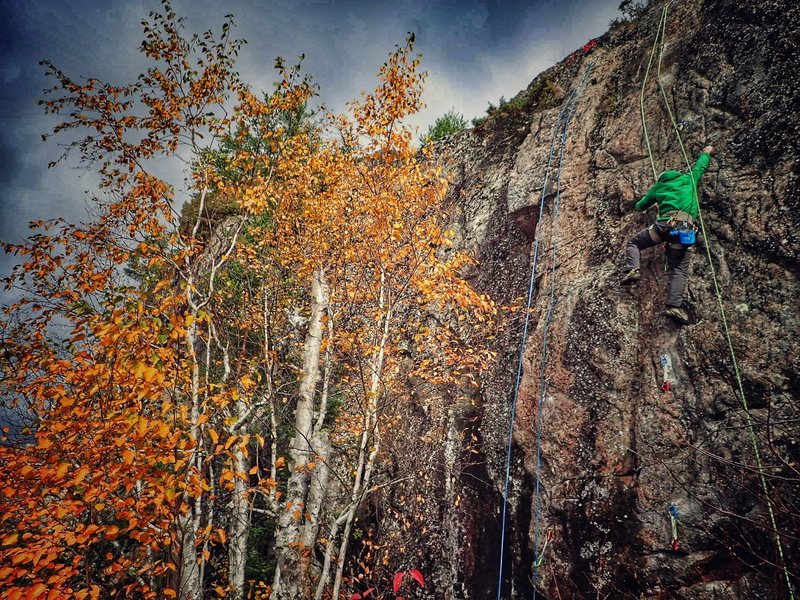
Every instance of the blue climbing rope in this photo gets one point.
(518, 381)
(562, 126)
(543, 381)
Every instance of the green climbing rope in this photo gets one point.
(659, 43)
(641, 95)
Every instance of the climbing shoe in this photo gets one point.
(631, 276)
(677, 314)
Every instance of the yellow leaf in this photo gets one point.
(138, 368)
(10, 539)
(150, 374)
(214, 436)
(81, 474)
(127, 456)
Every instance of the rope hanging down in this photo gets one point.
(561, 125)
(659, 42)
(543, 381)
(518, 380)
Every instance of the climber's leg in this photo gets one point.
(646, 238)
(678, 258)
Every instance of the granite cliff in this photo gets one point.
(617, 449)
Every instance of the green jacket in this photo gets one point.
(676, 191)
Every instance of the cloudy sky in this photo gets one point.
(474, 51)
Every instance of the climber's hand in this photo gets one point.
(708, 149)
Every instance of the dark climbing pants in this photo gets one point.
(678, 258)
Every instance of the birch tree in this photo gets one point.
(302, 263)
(115, 492)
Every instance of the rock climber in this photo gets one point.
(676, 197)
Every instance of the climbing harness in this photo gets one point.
(673, 519)
(682, 228)
(686, 235)
(660, 33)
(561, 127)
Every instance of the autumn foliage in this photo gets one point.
(175, 376)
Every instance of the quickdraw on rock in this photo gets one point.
(668, 378)
(673, 518)
(660, 34)
(540, 557)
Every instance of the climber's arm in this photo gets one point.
(702, 163)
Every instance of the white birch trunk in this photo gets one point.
(190, 583)
(238, 529)
(454, 528)
(273, 420)
(287, 584)
(238, 520)
(326, 565)
(320, 476)
(189, 521)
(316, 497)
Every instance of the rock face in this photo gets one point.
(617, 450)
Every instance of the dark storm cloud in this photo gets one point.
(474, 51)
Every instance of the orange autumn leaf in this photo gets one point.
(206, 339)
(128, 456)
